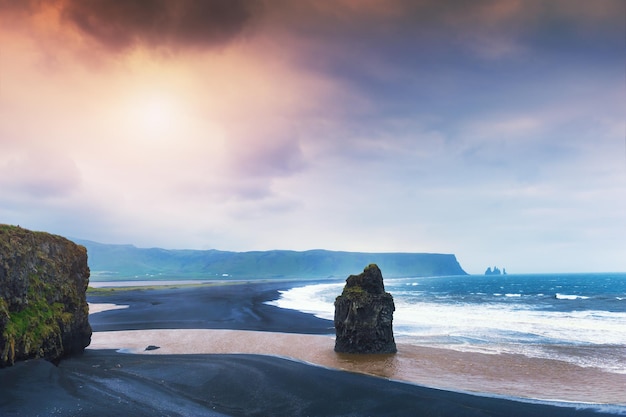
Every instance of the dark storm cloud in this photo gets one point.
(153, 23)
(121, 24)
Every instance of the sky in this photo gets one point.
(492, 129)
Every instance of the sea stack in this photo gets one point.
(43, 305)
(364, 315)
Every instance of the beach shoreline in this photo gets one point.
(204, 339)
(507, 375)
(248, 324)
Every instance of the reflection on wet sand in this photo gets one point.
(503, 374)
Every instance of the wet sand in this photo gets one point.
(208, 363)
(105, 383)
(505, 374)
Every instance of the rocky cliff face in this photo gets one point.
(43, 306)
(364, 315)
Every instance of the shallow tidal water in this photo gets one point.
(492, 374)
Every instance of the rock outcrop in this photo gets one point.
(364, 315)
(43, 306)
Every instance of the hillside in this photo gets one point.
(120, 262)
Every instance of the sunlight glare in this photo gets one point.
(155, 116)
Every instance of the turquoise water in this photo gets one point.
(577, 318)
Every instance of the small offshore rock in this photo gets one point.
(152, 347)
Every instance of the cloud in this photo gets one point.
(272, 156)
(351, 125)
(37, 175)
(182, 23)
(161, 24)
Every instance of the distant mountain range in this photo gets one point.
(127, 262)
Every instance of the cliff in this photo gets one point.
(111, 262)
(364, 315)
(43, 307)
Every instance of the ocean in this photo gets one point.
(575, 318)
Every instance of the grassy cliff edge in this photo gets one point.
(43, 307)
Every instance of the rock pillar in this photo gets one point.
(364, 315)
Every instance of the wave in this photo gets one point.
(312, 299)
(418, 314)
(493, 322)
(559, 296)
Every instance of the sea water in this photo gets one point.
(575, 318)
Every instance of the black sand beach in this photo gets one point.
(107, 383)
(237, 306)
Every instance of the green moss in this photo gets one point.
(355, 293)
(4, 308)
(34, 323)
(37, 322)
(354, 290)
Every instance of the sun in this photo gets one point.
(154, 115)
(157, 115)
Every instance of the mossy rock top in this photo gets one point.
(369, 281)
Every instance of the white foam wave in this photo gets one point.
(312, 299)
(497, 322)
(485, 327)
(559, 296)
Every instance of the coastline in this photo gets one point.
(105, 383)
(237, 305)
(250, 326)
(223, 351)
(511, 376)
